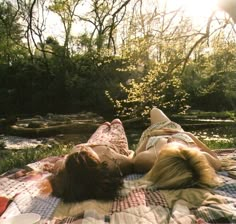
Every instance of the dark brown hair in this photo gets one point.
(83, 177)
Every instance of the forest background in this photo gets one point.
(114, 57)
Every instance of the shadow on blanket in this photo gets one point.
(141, 205)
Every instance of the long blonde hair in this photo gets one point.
(179, 166)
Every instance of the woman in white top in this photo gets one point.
(172, 157)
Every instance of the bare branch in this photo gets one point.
(200, 40)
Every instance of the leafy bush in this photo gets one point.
(2, 145)
(154, 89)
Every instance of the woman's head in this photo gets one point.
(178, 166)
(84, 176)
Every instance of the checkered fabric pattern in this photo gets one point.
(87, 217)
(228, 190)
(138, 197)
(134, 176)
(25, 194)
(213, 215)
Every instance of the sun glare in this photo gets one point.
(196, 9)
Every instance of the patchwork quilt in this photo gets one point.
(19, 193)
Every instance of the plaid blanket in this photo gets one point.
(20, 186)
(140, 205)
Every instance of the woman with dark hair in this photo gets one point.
(173, 158)
(93, 170)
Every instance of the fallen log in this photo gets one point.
(79, 127)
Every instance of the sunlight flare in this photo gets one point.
(200, 8)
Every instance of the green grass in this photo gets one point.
(215, 141)
(212, 144)
(19, 158)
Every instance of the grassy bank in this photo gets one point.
(10, 159)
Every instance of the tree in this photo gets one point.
(156, 47)
(105, 16)
(11, 46)
(66, 10)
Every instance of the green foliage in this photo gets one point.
(221, 144)
(19, 158)
(161, 90)
(2, 145)
(65, 9)
(93, 76)
(11, 46)
(214, 93)
(209, 78)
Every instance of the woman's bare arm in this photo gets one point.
(201, 145)
(208, 153)
(124, 162)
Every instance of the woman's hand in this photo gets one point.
(203, 147)
(131, 155)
